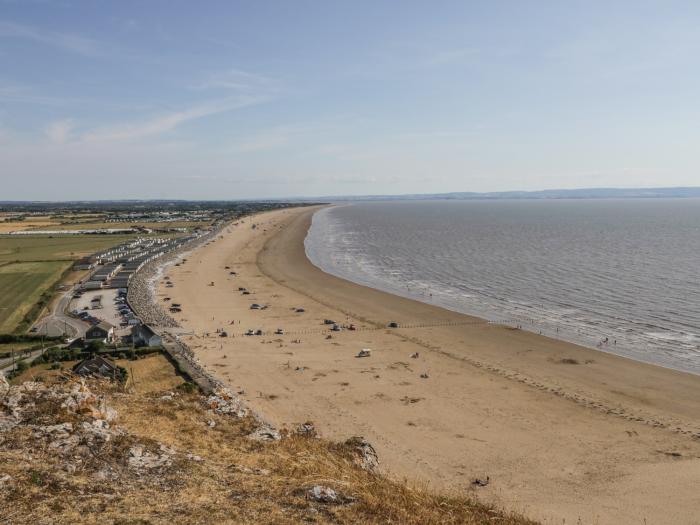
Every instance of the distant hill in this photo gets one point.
(586, 193)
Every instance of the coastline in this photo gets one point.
(560, 440)
(412, 311)
(602, 335)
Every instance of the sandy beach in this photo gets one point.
(563, 432)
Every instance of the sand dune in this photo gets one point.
(606, 440)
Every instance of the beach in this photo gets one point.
(561, 431)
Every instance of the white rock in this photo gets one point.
(323, 494)
(365, 455)
(265, 433)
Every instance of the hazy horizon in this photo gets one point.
(676, 192)
(276, 100)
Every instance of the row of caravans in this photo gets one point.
(117, 265)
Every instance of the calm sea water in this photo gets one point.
(579, 270)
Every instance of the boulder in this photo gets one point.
(364, 454)
(142, 460)
(327, 495)
(265, 433)
(224, 401)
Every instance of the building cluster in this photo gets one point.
(162, 216)
(115, 267)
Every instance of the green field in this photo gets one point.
(19, 248)
(21, 286)
(117, 225)
(31, 265)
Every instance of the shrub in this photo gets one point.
(19, 368)
(94, 346)
(187, 387)
(123, 374)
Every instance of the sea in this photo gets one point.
(621, 276)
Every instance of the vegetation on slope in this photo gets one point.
(155, 453)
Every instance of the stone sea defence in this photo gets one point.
(141, 298)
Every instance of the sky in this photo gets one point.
(256, 99)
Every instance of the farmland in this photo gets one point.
(22, 285)
(60, 221)
(128, 224)
(31, 266)
(53, 248)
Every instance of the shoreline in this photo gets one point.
(490, 315)
(559, 440)
(454, 317)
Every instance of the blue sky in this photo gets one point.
(169, 99)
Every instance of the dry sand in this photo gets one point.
(607, 440)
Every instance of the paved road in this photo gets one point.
(6, 363)
(60, 323)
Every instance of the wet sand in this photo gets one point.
(563, 432)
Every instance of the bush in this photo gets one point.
(187, 387)
(123, 374)
(20, 367)
(94, 346)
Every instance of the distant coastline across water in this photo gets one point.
(676, 192)
(614, 274)
(685, 192)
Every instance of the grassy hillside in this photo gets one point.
(155, 453)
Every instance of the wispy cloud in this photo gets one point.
(59, 132)
(14, 93)
(237, 80)
(270, 139)
(28, 95)
(167, 122)
(304, 137)
(66, 41)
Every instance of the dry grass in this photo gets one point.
(101, 225)
(236, 481)
(152, 373)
